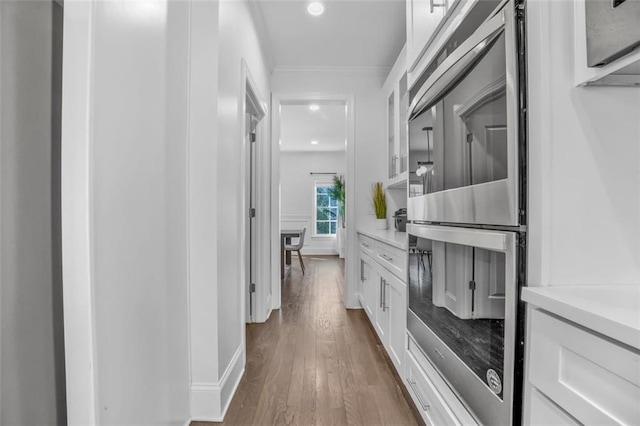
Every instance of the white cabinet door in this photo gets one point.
(423, 17)
(544, 412)
(396, 294)
(369, 286)
(382, 308)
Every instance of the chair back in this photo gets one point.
(300, 243)
(423, 244)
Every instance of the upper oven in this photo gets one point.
(464, 159)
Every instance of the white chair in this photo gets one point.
(297, 247)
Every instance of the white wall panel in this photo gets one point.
(584, 152)
(133, 132)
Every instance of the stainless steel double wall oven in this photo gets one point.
(467, 207)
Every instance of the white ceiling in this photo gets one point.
(299, 126)
(351, 33)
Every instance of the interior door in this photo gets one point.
(252, 139)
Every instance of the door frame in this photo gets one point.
(350, 298)
(249, 90)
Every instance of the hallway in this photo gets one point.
(314, 362)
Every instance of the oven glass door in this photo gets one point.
(462, 145)
(462, 295)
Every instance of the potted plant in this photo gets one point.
(379, 199)
(338, 192)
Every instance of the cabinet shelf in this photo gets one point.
(398, 181)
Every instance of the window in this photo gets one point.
(326, 210)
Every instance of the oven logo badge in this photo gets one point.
(494, 381)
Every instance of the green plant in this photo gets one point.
(338, 192)
(379, 199)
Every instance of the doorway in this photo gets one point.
(254, 216)
(312, 143)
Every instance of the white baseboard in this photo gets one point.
(266, 318)
(318, 251)
(210, 401)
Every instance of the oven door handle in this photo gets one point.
(454, 66)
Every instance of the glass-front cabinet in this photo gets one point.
(391, 136)
(397, 130)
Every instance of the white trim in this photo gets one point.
(318, 251)
(540, 170)
(1, 239)
(261, 28)
(202, 195)
(250, 89)
(77, 212)
(189, 195)
(334, 69)
(210, 401)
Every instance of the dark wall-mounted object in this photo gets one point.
(613, 29)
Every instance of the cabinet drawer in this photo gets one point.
(393, 259)
(367, 245)
(435, 401)
(425, 395)
(543, 412)
(592, 378)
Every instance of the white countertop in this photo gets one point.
(612, 310)
(388, 236)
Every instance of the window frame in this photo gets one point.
(322, 183)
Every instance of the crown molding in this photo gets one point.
(261, 29)
(335, 69)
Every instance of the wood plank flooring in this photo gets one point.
(314, 362)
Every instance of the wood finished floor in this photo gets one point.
(314, 362)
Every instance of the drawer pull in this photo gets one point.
(413, 384)
(365, 245)
(387, 258)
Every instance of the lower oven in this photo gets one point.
(463, 313)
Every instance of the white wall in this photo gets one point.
(213, 383)
(370, 115)
(203, 202)
(31, 355)
(584, 223)
(297, 199)
(125, 211)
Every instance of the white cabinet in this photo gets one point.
(397, 131)
(545, 412)
(383, 294)
(382, 312)
(367, 285)
(423, 18)
(396, 301)
(434, 399)
(391, 315)
(578, 375)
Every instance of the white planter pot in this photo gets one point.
(381, 223)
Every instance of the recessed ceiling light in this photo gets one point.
(314, 107)
(315, 8)
(314, 142)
